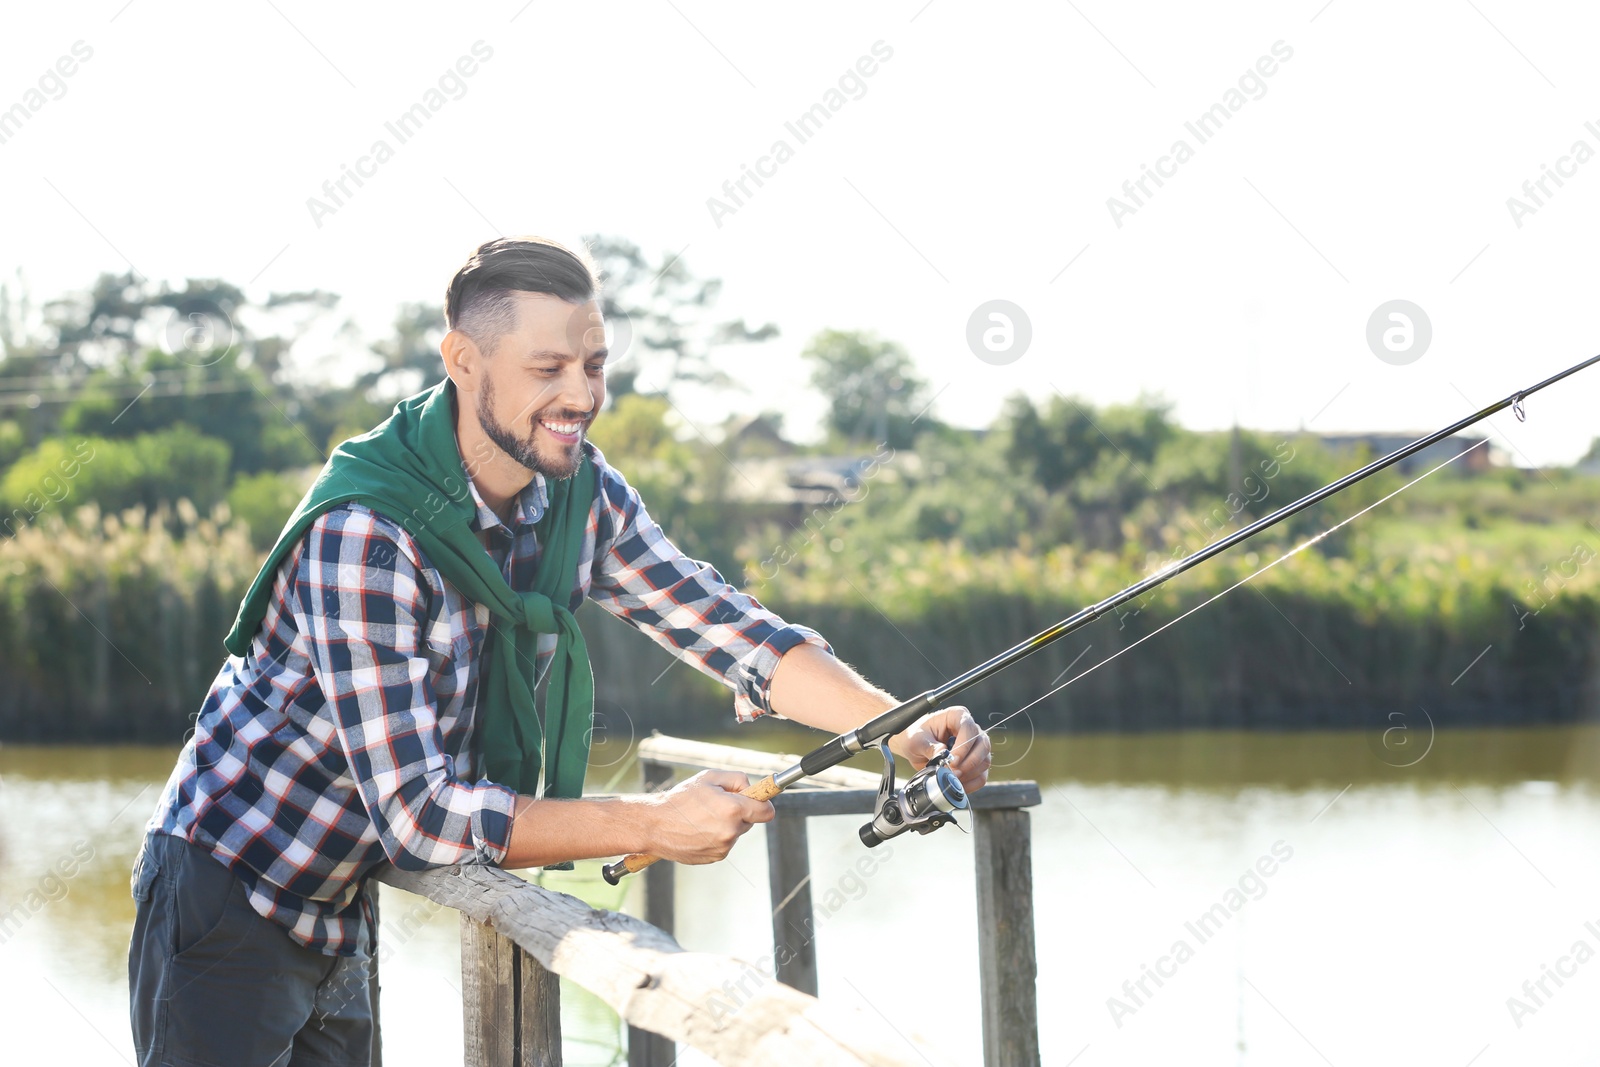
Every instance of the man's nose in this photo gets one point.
(576, 395)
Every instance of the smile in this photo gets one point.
(568, 431)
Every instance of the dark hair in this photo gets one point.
(481, 301)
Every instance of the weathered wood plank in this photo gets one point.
(1007, 966)
(721, 1006)
(538, 1013)
(488, 995)
(660, 910)
(511, 1004)
(809, 802)
(836, 791)
(678, 752)
(794, 942)
(372, 982)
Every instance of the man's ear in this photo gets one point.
(463, 360)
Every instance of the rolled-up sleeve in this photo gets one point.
(684, 605)
(359, 600)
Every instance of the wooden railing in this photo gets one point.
(517, 936)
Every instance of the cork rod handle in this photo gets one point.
(765, 789)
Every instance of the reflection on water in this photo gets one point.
(1366, 904)
(1396, 751)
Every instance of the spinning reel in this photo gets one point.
(929, 799)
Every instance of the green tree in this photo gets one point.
(636, 432)
(1094, 462)
(263, 502)
(94, 327)
(663, 320)
(13, 442)
(872, 387)
(225, 400)
(409, 358)
(1065, 441)
(85, 358)
(149, 470)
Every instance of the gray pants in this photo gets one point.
(214, 984)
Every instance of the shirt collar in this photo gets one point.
(527, 507)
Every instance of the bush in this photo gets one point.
(146, 471)
(264, 502)
(13, 442)
(111, 626)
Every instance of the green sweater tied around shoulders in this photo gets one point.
(409, 470)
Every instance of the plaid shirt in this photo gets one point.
(344, 739)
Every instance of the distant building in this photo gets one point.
(1475, 461)
(1590, 463)
(756, 435)
(797, 484)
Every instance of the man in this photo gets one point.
(378, 703)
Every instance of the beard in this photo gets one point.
(525, 450)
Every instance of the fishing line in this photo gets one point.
(933, 794)
(1206, 603)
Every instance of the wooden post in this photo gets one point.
(539, 1013)
(511, 1004)
(1006, 961)
(646, 1049)
(794, 943)
(371, 889)
(487, 994)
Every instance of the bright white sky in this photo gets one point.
(977, 165)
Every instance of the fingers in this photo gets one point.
(736, 782)
(920, 744)
(709, 816)
(756, 811)
(972, 744)
(973, 754)
(732, 781)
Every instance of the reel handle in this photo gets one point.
(765, 789)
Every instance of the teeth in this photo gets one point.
(562, 427)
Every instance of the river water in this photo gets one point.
(1371, 902)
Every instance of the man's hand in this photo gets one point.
(812, 687)
(699, 819)
(924, 739)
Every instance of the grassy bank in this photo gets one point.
(1339, 642)
(111, 629)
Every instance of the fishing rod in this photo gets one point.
(932, 795)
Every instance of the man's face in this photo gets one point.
(544, 383)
